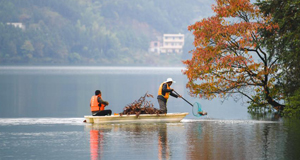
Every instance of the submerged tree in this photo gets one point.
(229, 57)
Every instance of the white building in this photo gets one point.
(155, 47)
(17, 25)
(172, 43)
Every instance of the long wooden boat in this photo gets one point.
(169, 117)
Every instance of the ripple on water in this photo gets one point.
(40, 121)
(228, 121)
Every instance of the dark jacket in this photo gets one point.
(164, 90)
(101, 101)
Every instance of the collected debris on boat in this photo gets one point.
(141, 106)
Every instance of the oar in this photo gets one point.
(198, 111)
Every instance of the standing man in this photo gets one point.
(163, 94)
(97, 105)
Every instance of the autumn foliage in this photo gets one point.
(229, 56)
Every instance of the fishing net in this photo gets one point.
(197, 109)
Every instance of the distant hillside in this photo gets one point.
(95, 32)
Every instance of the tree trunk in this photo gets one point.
(270, 100)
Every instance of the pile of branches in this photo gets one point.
(141, 106)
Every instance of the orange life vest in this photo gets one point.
(166, 96)
(95, 104)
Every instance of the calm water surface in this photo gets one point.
(69, 138)
(66, 91)
(38, 106)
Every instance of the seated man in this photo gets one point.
(97, 105)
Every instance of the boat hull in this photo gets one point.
(169, 117)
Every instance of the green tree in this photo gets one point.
(285, 41)
(27, 49)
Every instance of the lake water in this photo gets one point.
(42, 109)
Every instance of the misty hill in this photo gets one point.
(95, 32)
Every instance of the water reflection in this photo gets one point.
(96, 138)
(218, 139)
(121, 137)
(163, 146)
(292, 130)
(231, 140)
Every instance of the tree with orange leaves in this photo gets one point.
(229, 56)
